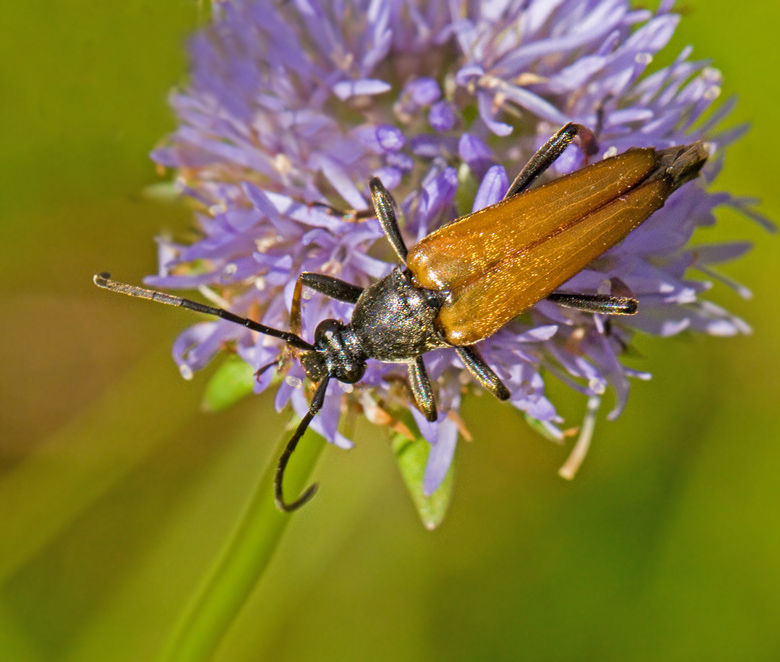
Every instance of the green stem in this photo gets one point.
(242, 563)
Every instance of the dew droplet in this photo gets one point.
(229, 271)
(643, 58)
(597, 385)
(712, 75)
(282, 164)
(712, 92)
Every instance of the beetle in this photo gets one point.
(466, 280)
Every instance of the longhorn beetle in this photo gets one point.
(464, 281)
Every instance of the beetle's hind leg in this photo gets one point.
(606, 304)
(549, 152)
(482, 372)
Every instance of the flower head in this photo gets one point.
(292, 106)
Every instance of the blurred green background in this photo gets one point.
(116, 493)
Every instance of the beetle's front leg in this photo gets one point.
(327, 285)
(384, 207)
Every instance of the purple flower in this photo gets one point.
(292, 104)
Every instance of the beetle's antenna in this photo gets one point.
(314, 407)
(104, 280)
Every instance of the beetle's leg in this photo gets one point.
(314, 407)
(548, 153)
(385, 212)
(483, 373)
(330, 286)
(349, 215)
(422, 389)
(327, 285)
(605, 304)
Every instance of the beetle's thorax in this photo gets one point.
(395, 321)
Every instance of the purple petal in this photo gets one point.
(423, 91)
(475, 153)
(492, 189)
(442, 116)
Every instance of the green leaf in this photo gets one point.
(412, 457)
(233, 380)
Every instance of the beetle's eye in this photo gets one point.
(352, 372)
(326, 329)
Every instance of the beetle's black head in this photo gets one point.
(336, 353)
